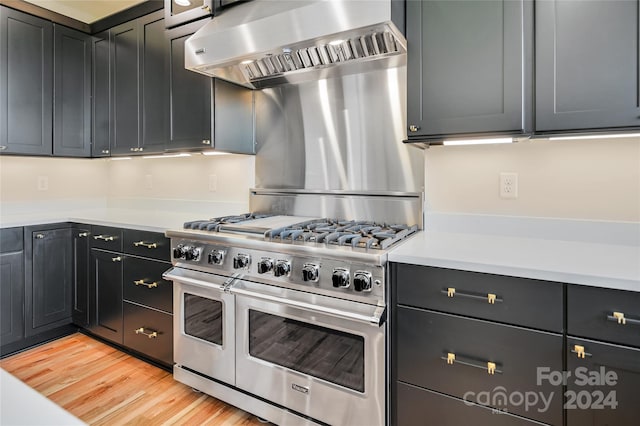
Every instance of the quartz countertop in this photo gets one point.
(615, 266)
(21, 405)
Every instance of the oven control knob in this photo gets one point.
(340, 278)
(178, 252)
(362, 281)
(310, 272)
(282, 268)
(241, 261)
(216, 257)
(265, 265)
(192, 253)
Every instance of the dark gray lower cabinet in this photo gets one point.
(421, 407)
(604, 386)
(587, 73)
(49, 275)
(427, 340)
(80, 268)
(11, 286)
(149, 331)
(106, 283)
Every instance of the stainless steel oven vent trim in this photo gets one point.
(263, 43)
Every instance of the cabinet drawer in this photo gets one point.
(587, 404)
(143, 283)
(149, 332)
(591, 313)
(425, 339)
(10, 240)
(420, 407)
(517, 300)
(147, 244)
(106, 238)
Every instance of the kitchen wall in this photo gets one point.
(202, 184)
(593, 179)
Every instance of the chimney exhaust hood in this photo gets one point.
(263, 43)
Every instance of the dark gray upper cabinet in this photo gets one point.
(587, 64)
(72, 93)
(204, 112)
(139, 91)
(101, 101)
(48, 272)
(469, 67)
(26, 83)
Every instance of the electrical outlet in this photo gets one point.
(213, 183)
(148, 181)
(43, 183)
(508, 185)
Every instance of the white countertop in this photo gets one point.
(21, 405)
(576, 262)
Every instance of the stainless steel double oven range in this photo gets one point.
(284, 316)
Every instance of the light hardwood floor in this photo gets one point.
(104, 386)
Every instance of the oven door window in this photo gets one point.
(203, 318)
(331, 355)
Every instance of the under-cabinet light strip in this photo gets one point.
(608, 136)
(476, 141)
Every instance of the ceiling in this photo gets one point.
(87, 11)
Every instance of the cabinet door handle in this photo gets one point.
(148, 285)
(414, 128)
(83, 234)
(490, 366)
(147, 245)
(39, 236)
(104, 237)
(206, 142)
(580, 351)
(151, 334)
(3, 147)
(105, 151)
(490, 298)
(116, 259)
(621, 319)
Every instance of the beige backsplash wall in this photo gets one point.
(578, 179)
(175, 183)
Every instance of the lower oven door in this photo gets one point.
(320, 356)
(203, 324)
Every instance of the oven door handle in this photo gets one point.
(376, 317)
(193, 278)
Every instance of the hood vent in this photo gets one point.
(263, 43)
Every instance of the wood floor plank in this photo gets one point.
(104, 386)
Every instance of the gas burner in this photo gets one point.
(214, 224)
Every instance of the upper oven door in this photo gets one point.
(319, 356)
(203, 324)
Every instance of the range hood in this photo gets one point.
(263, 43)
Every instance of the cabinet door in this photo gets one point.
(26, 84)
(468, 68)
(49, 280)
(603, 387)
(101, 103)
(106, 280)
(80, 300)
(190, 105)
(11, 297)
(72, 93)
(587, 64)
(154, 83)
(125, 88)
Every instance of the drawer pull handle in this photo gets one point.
(104, 237)
(491, 298)
(149, 285)
(622, 320)
(579, 350)
(83, 234)
(116, 259)
(491, 367)
(151, 335)
(147, 245)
